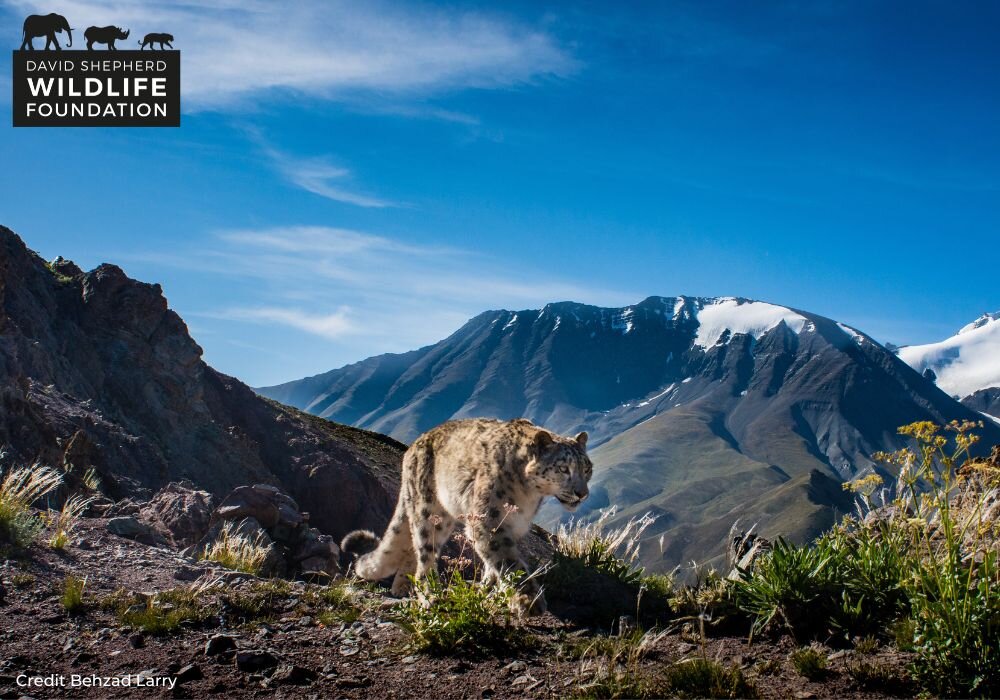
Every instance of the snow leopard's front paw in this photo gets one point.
(529, 603)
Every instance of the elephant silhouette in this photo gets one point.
(104, 35)
(47, 26)
(160, 39)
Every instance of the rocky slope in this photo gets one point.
(965, 363)
(97, 372)
(986, 401)
(700, 410)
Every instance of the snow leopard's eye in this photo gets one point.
(564, 467)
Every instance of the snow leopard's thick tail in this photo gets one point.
(359, 542)
(379, 558)
(393, 554)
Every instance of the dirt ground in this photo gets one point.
(291, 653)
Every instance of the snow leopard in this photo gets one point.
(491, 475)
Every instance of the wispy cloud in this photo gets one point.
(333, 326)
(365, 292)
(321, 177)
(237, 51)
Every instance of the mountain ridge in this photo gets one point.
(965, 363)
(684, 397)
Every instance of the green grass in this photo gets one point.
(611, 666)
(875, 675)
(704, 678)
(72, 595)
(257, 602)
(237, 551)
(809, 662)
(455, 616)
(160, 614)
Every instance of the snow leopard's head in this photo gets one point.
(560, 467)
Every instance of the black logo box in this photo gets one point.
(70, 71)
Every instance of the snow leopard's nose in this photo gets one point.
(581, 493)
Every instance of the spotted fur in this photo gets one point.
(473, 471)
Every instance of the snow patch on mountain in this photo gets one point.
(858, 338)
(737, 316)
(965, 362)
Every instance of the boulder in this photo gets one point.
(303, 549)
(128, 526)
(180, 512)
(265, 504)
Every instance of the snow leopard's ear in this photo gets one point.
(543, 439)
(581, 439)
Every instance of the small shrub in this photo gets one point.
(868, 566)
(704, 678)
(658, 587)
(20, 488)
(454, 615)
(768, 667)
(22, 581)
(786, 587)
(809, 662)
(237, 551)
(72, 595)
(64, 523)
(712, 604)
(866, 645)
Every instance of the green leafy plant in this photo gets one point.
(786, 587)
(452, 615)
(954, 589)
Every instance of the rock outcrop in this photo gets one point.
(97, 372)
(264, 514)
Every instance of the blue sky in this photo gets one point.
(357, 178)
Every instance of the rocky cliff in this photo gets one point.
(96, 371)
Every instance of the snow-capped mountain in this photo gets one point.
(964, 363)
(701, 410)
